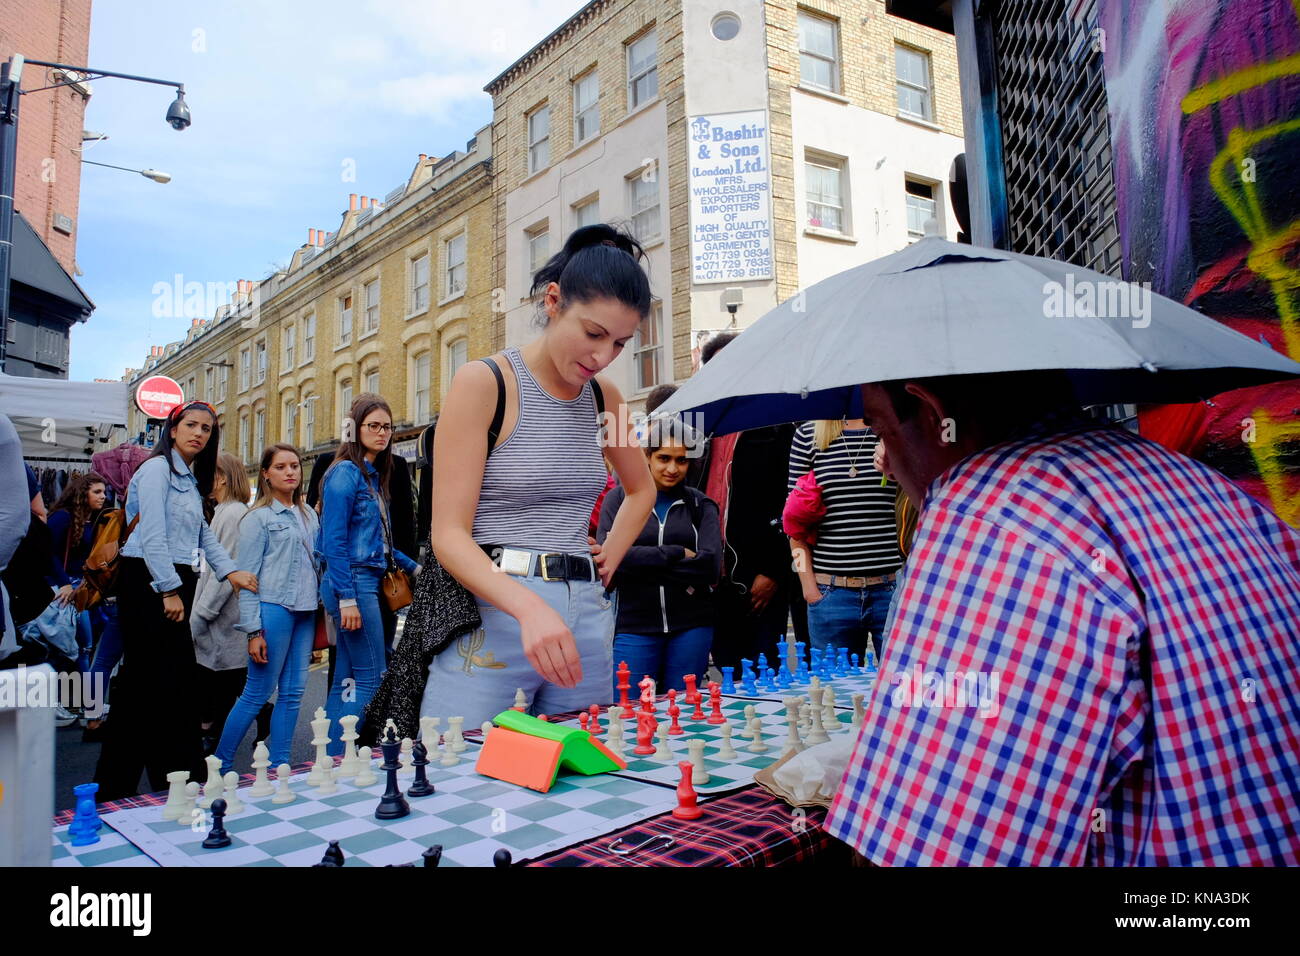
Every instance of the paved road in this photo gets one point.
(75, 761)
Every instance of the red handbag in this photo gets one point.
(804, 509)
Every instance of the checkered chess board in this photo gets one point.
(844, 687)
(470, 816)
(724, 775)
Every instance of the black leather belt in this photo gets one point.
(549, 566)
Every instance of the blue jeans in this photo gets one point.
(289, 637)
(477, 675)
(359, 660)
(664, 657)
(107, 652)
(844, 617)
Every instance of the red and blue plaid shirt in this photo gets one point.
(1095, 660)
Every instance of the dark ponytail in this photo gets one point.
(597, 262)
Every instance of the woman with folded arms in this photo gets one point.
(155, 725)
(276, 543)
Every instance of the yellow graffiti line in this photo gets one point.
(1268, 250)
(1269, 434)
(1234, 83)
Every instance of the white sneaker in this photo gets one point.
(64, 717)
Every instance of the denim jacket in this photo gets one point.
(271, 547)
(171, 529)
(351, 532)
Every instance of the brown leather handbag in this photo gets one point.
(395, 585)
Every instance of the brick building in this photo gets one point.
(45, 300)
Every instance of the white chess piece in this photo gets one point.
(188, 804)
(614, 739)
(813, 686)
(749, 720)
(449, 758)
(261, 761)
(212, 785)
(699, 775)
(486, 726)
(759, 745)
(350, 765)
(233, 803)
(175, 804)
(456, 725)
(429, 732)
(521, 700)
(216, 790)
(320, 740)
(405, 756)
(663, 751)
(284, 794)
(793, 743)
(859, 710)
(366, 775)
(817, 733)
(830, 716)
(328, 783)
(726, 751)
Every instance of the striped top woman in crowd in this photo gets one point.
(519, 500)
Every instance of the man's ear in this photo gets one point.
(932, 412)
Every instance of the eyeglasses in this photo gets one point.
(378, 427)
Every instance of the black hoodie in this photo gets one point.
(659, 588)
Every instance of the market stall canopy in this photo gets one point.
(56, 418)
(941, 308)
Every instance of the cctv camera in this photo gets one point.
(178, 114)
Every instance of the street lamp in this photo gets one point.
(11, 92)
(156, 175)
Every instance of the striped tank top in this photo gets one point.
(542, 480)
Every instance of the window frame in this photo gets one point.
(413, 287)
(344, 340)
(580, 115)
(416, 415)
(634, 104)
(535, 146)
(927, 91)
(912, 235)
(288, 349)
(261, 360)
(246, 368)
(366, 327)
(639, 348)
(839, 165)
(837, 70)
(635, 214)
(308, 326)
(538, 231)
(449, 292)
(587, 203)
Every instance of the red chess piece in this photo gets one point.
(686, 808)
(698, 712)
(647, 686)
(673, 713)
(583, 719)
(624, 685)
(715, 700)
(594, 726)
(692, 695)
(646, 725)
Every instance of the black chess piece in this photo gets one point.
(392, 805)
(501, 857)
(433, 855)
(217, 837)
(419, 760)
(333, 854)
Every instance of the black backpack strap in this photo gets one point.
(498, 417)
(600, 397)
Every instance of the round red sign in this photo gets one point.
(158, 395)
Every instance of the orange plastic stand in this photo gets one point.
(520, 759)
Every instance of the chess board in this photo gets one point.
(113, 849)
(859, 683)
(470, 816)
(724, 775)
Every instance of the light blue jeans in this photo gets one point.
(477, 675)
(289, 637)
(359, 659)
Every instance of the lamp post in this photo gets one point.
(156, 175)
(11, 73)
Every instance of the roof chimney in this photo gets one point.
(311, 237)
(352, 202)
(423, 157)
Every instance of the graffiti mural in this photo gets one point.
(1204, 103)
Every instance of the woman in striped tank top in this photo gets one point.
(519, 501)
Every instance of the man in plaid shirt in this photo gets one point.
(1096, 652)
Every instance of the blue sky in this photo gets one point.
(285, 96)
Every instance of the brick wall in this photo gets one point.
(47, 180)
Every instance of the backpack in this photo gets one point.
(99, 573)
(499, 415)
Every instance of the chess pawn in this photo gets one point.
(759, 745)
(189, 804)
(859, 710)
(233, 803)
(283, 794)
(487, 726)
(748, 729)
(521, 700)
(699, 774)
(328, 784)
(366, 775)
(406, 757)
(726, 751)
(261, 761)
(663, 751)
(449, 758)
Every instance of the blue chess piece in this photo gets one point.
(871, 658)
(783, 649)
(762, 664)
(771, 685)
(856, 669)
(85, 823)
(728, 682)
(842, 663)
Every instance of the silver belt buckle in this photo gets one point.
(514, 561)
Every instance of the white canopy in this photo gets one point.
(56, 418)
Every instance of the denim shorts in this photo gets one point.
(477, 675)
